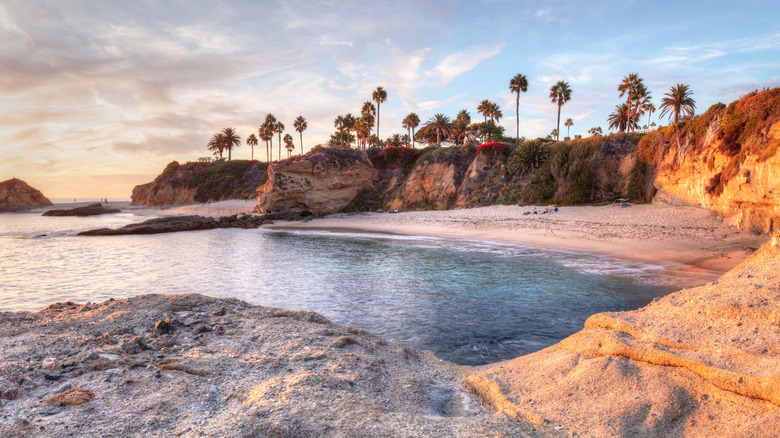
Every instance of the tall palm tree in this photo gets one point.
(518, 84)
(362, 131)
(266, 135)
(252, 142)
(484, 108)
(300, 126)
(568, 124)
(560, 93)
(288, 144)
(631, 86)
(270, 120)
(349, 125)
(231, 140)
(650, 108)
(678, 100)
(413, 121)
(217, 143)
(440, 124)
(369, 113)
(279, 129)
(338, 123)
(379, 96)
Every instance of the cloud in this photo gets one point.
(456, 64)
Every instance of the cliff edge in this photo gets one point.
(17, 195)
(700, 362)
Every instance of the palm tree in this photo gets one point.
(270, 120)
(677, 100)
(231, 140)
(279, 129)
(379, 96)
(494, 112)
(484, 108)
(252, 141)
(349, 125)
(650, 108)
(368, 112)
(288, 144)
(568, 124)
(518, 84)
(262, 133)
(440, 124)
(560, 93)
(217, 144)
(362, 131)
(395, 140)
(338, 123)
(620, 118)
(412, 120)
(300, 126)
(631, 86)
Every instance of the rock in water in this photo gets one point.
(321, 182)
(17, 195)
(89, 210)
(178, 223)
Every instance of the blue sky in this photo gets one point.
(97, 97)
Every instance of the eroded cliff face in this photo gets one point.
(434, 182)
(321, 182)
(200, 182)
(17, 195)
(727, 160)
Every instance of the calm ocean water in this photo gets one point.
(470, 302)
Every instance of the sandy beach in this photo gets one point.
(687, 235)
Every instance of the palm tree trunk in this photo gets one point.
(301, 133)
(280, 146)
(230, 153)
(412, 137)
(517, 111)
(272, 147)
(558, 129)
(377, 123)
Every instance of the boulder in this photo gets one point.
(17, 195)
(88, 210)
(321, 182)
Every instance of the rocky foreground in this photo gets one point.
(190, 365)
(701, 362)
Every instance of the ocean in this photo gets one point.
(470, 302)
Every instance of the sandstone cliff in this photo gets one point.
(727, 160)
(321, 182)
(200, 182)
(700, 362)
(16, 195)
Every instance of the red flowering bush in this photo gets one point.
(493, 148)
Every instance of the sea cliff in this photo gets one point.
(17, 195)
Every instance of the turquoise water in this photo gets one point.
(470, 302)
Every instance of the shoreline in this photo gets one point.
(688, 235)
(647, 232)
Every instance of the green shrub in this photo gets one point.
(527, 158)
(173, 165)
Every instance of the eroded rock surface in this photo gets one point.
(226, 368)
(700, 362)
(321, 182)
(17, 195)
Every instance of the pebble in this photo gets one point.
(52, 376)
(49, 410)
(183, 314)
(163, 326)
(203, 329)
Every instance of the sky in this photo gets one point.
(98, 96)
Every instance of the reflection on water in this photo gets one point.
(470, 302)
